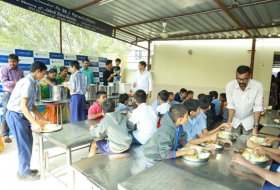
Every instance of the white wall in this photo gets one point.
(212, 64)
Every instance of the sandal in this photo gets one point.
(7, 139)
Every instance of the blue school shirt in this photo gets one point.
(122, 107)
(155, 104)
(192, 129)
(25, 88)
(216, 102)
(78, 81)
(202, 122)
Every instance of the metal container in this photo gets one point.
(59, 92)
(102, 88)
(38, 92)
(115, 86)
(91, 93)
(109, 90)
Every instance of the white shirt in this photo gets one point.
(163, 108)
(245, 103)
(146, 120)
(143, 81)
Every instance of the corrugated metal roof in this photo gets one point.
(186, 19)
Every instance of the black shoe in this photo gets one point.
(29, 177)
(34, 171)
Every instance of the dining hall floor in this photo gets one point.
(9, 166)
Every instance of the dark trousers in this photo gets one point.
(21, 130)
(77, 108)
(5, 127)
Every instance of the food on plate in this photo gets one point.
(51, 127)
(227, 135)
(260, 141)
(269, 108)
(202, 155)
(211, 144)
(277, 121)
(253, 157)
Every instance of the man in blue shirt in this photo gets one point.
(20, 120)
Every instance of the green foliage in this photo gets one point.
(20, 28)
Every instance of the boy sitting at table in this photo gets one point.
(123, 101)
(272, 175)
(192, 128)
(170, 137)
(205, 105)
(114, 127)
(171, 100)
(144, 117)
(95, 110)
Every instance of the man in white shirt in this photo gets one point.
(144, 117)
(245, 102)
(143, 79)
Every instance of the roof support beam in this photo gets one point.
(227, 11)
(87, 5)
(218, 31)
(253, 50)
(196, 13)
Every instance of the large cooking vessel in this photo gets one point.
(91, 93)
(115, 88)
(101, 88)
(59, 92)
(38, 92)
(109, 90)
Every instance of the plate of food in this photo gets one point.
(254, 157)
(277, 121)
(212, 144)
(260, 141)
(201, 156)
(48, 128)
(227, 135)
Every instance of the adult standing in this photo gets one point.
(108, 74)
(117, 68)
(9, 76)
(86, 71)
(143, 79)
(245, 102)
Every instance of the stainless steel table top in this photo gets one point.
(178, 174)
(268, 118)
(71, 135)
(126, 171)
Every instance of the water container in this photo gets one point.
(91, 93)
(38, 92)
(59, 92)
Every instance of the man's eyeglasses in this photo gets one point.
(242, 80)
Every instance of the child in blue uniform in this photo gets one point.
(20, 120)
(78, 85)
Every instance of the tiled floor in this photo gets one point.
(9, 165)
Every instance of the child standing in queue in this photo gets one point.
(19, 118)
(78, 85)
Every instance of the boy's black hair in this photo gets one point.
(38, 65)
(200, 95)
(143, 63)
(163, 95)
(99, 93)
(189, 92)
(52, 70)
(183, 90)
(177, 111)
(224, 96)
(108, 106)
(62, 68)
(75, 64)
(243, 69)
(109, 61)
(85, 59)
(140, 96)
(213, 94)
(192, 105)
(170, 94)
(204, 101)
(118, 60)
(13, 56)
(123, 97)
